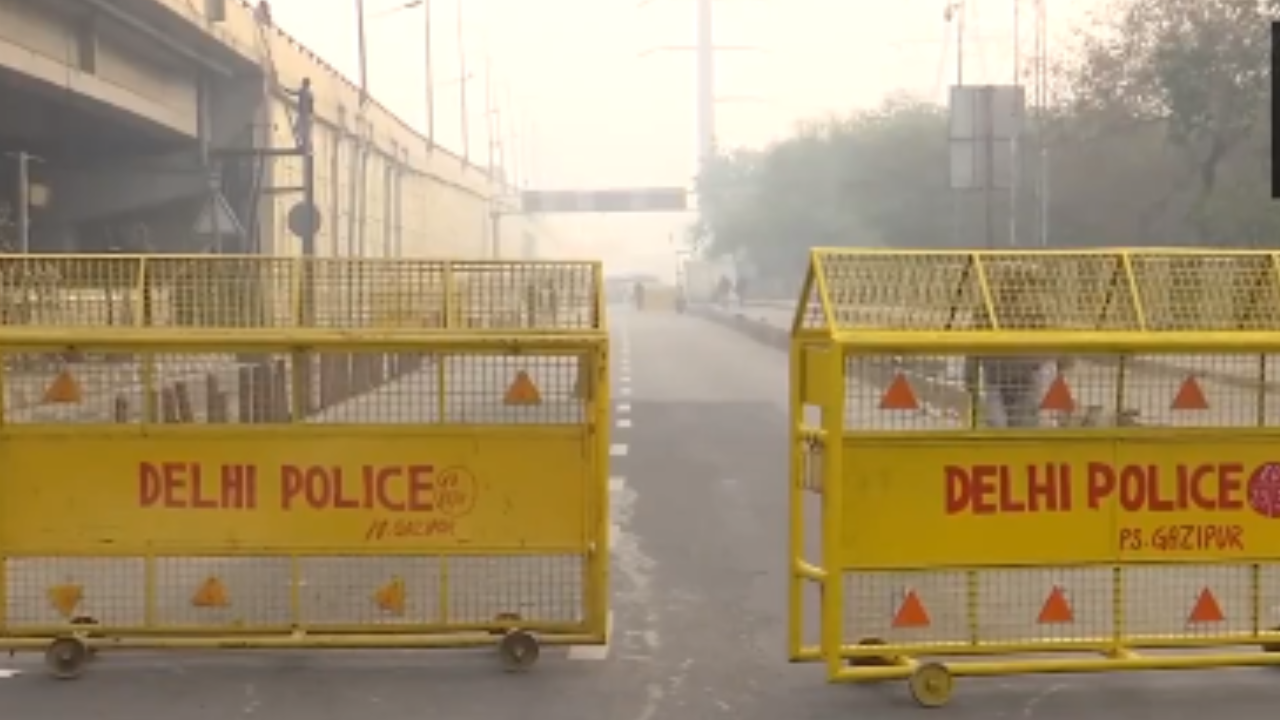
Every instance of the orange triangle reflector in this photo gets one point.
(1207, 609)
(1058, 398)
(1056, 609)
(64, 389)
(211, 594)
(899, 395)
(391, 597)
(522, 391)
(65, 598)
(912, 613)
(1190, 396)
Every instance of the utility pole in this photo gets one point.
(462, 63)
(430, 77)
(704, 50)
(706, 84)
(364, 56)
(24, 160)
(490, 113)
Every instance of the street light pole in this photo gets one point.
(364, 60)
(462, 64)
(706, 85)
(426, 61)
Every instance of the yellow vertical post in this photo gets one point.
(795, 501)
(301, 370)
(141, 315)
(598, 393)
(833, 489)
(442, 361)
(598, 489)
(833, 370)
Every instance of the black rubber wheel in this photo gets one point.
(66, 658)
(519, 651)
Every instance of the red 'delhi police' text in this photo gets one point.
(1068, 487)
(408, 488)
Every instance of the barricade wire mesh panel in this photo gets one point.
(451, 388)
(1090, 290)
(249, 593)
(949, 609)
(367, 388)
(218, 292)
(1059, 291)
(1208, 290)
(255, 292)
(916, 291)
(106, 388)
(925, 393)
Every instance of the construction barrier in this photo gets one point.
(261, 452)
(1047, 461)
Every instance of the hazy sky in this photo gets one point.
(588, 111)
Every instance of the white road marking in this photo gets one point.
(618, 450)
(617, 483)
(624, 423)
(9, 674)
(625, 391)
(624, 407)
(625, 379)
(595, 652)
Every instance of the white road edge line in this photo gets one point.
(624, 391)
(618, 450)
(624, 423)
(617, 483)
(595, 652)
(624, 407)
(9, 674)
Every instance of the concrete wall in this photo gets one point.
(381, 190)
(39, 41)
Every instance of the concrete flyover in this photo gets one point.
(119, 99)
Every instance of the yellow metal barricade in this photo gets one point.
(268, 452)
(1035, 462)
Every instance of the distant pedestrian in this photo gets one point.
(306, 115)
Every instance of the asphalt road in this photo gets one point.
(699, 575)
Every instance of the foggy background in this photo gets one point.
(588, 99)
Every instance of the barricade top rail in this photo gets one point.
(253, 291)
(1114, 290)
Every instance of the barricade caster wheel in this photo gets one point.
(870, 660)
(518, 650)
(66, 657)
(931, 685)
(1273, 646)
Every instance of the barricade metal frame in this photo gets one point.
(856, 308)
(440, 311)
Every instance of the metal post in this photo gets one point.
(989, 150)
(706, 83)
(24, 203)
(489, 120)
(309, 200)
(495, 216)
(364, 59)
(462, 63)
(430, 99)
